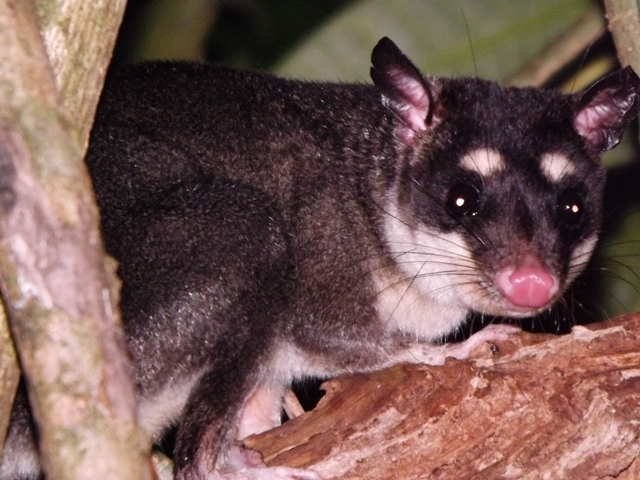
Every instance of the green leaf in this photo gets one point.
(502, 35)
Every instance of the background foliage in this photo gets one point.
(499, 39)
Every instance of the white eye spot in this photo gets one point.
(554, 166)
(483, 161)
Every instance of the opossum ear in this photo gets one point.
(404, 89)
(606, 108)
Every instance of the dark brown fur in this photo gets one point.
(248, 214)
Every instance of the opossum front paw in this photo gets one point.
(266, 473)
(281, 473)
(489, 334)
(431, 354)
(247, 464)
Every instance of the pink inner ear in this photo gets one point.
(414, 107)
(591, 120)
(602, 120)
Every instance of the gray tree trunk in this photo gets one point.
(58, 286)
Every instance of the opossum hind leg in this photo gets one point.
(208, 427)
(222, 409)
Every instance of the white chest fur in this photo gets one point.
(422, 293)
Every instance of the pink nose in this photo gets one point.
(528, 284)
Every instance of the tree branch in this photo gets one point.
(543, 406)
(58, 287)
(9, 374)
(624, 23)
(79, 37)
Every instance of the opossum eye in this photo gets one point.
(463, 200)
(570, 207)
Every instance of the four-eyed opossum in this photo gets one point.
(271, 229)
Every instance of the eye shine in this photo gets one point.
(463, 200)
(269, 230)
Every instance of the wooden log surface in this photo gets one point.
(538, 406)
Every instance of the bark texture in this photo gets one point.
(9, 374)
(58, 286)
(540, 407)
(623, 17)
(79, 37)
